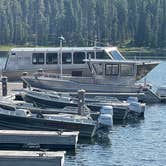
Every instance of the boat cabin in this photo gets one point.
(112, 68)
(70, 55)
(49, 59)
(120, 72)
(30, 60)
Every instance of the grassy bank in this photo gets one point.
(6, 47)
(142, 49)
(143, 52)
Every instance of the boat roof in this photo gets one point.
(45, 49)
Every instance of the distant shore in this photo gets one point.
(128, 52)
(143, 53)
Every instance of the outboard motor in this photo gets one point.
(161, 91)
(105, 119)
(135, 107)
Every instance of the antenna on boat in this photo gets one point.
(95, 45)
(61, 42)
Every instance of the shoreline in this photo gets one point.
(128, 52)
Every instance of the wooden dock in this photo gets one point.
(31, 158)
(20, 139)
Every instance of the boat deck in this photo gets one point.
(38, 139)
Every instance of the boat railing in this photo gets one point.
(75, 109)
(106, 99)
(58, 76)
(50, 75)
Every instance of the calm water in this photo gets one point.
(142, 143)
(2, 62)
(137, 144)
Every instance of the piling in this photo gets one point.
(81, 101)
(4, 85)
(23, 82)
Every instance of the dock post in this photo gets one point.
(81, 101)
(24, 84)
(4, 85)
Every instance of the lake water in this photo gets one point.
(2, 62)
(141, 143)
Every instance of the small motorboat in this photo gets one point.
(23, 119)
(108, 77)
(50, 99)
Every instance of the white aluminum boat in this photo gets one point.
(107, 76)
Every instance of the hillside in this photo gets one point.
(40, 22)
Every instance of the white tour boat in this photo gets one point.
(29, 60)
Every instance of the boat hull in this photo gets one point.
(63, 85)
(119, 112)
(92, 89)
(27, 123)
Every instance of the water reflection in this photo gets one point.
(134, 121)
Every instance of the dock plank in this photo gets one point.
(38, 139)
(27, 158)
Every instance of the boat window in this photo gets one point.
(38, 58)
(98, 67)
(78, 57)
(127, 69)
(102, 55)
(90, 55)
(13, 53)
(66, 58)
(116, 55)
(52, 58)
(111, 69)
(76, 73)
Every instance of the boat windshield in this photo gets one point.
(98, 67)
(116, 55)
(102, 55)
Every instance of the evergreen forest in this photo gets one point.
(140, 23)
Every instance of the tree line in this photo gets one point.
(81, 22)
